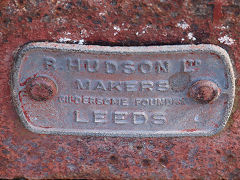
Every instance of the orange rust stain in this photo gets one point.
(217, 11)
(189, 130)
(26, 81)
(25, 112)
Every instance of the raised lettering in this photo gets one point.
(81, 85)
(61, 99)
(145, 67)
(147, 85)
(111, 67)
(190, 65)
(120, 117)
(130, 86)
(162, 85)
(100, 86)
(73, 65)
(128, 67)
(50, 63)
(161, 66)
(92, 66)
(99, 116)
(159, 119)
(139, 117)
(114, 86)
(99, 101)
(78, 117)
(125, 102)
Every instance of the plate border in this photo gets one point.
(166, 49)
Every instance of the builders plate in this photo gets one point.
(122, 91)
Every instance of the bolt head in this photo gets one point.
(41, 88)
(204, 91)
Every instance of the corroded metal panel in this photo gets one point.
(184, 90)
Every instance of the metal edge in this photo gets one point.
(231, 79)
(14, 85)
(124, 50)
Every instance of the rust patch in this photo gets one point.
(41, 88)
(204, 91)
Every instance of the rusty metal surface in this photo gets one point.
(204, 91)
(150, 100)
(123, 22)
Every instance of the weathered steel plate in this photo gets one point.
(122, 91)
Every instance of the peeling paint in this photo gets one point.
(64, 39)
(191, 37)
(223, 27)
(226, 40)
(183, 25)
(117, 28)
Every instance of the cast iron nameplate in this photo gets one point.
(182, 90)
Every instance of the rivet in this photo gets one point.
(41, 88)
(204, 91)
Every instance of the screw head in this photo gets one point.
(41, 88)
(204, 91)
